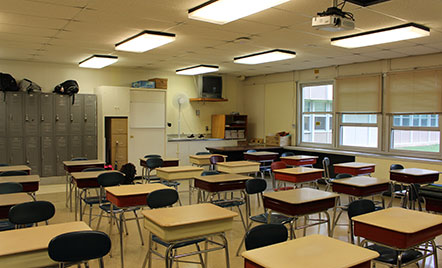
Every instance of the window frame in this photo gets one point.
(341, 124)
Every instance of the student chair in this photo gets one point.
(152, 156)
(202, 153)
(3, 165)
(287, 154)
(215, 159)
(10, 187)
(160, 199)
(30, 213)
(91, 200)
(79, 247)
(400, 190)
(151, 164)
(79, 158)
(265, 235)
(251, 151)
(14, 173)
(274, 166)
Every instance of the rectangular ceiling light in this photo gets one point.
(145, 41)
(98, 61)
(199, 69)
(382, 36)
(225, 11)
(266, 56)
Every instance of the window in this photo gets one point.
(359, 130)
(317, 116)
(416, 132)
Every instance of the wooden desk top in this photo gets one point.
(205, 156)
(354, 165)
(400, 220)
(238, 164)
(223, 178)
(14, 199)
(186, 215)
(83, 163)
(361, 181)
(20, 179)
(312, 251)
(35, 238)
(179, 169)
(299, 157)
(261, 153)
(135, 189)
(298, 170)
(89, 175)
(300, 196)
(14, 168)
(415, 172)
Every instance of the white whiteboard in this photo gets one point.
(147, 115)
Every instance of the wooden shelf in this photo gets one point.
(206, 100)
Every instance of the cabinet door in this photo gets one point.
(90, 147)
(77, 116)
(47, 117)
(90, 115)
(3, 151)
(16, 151)
(61, 149)
(3, 116)
(32, 117)
(48, 167)
(14, 111)
(62, 103)
(76, 146)
(33, 153)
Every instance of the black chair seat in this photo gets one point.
(228, 203)
(274, 219)
(156, 239)
(6, 225)
(93, 200)
(390, 256)
(107, 208)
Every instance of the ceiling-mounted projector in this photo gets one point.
(333, 20)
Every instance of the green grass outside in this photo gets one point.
(428, 148)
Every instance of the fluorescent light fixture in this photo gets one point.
(382, 36)
(225, 11)
(98, 61)
(266, 56)
(145, 41)
(199, 69)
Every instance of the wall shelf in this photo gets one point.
(206, 100)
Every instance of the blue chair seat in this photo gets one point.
(6, 225)
(107, 208)
(228, 203)
(274, 219)
(156, 239)
(93, 200)
(390, 256)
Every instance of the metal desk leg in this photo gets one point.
(67, 188)
(190, 191)
(121, 237)
(226, 249)
(75, 202)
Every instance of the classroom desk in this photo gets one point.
(203, 160)
(219, 183)
(354, 168)
(302, 202)
(261, 156)
(9, 200)
(27, 247)
(312, 251)
(238, 167)
(236, 153)
(399, 228)
(30, 183)
(360, 186)
(299, 160)
(298, 174)
(167, 162)
(16, 168)
(178, 224)
(414, 175)
(130, 196)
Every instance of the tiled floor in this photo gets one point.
(134, 252)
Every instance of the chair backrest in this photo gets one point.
(14, 173)
(210, 172)
(110, 179)
(254, 186)
(343, 176)
(216, 158)
(265, 235)
(154, 162)
(203, 153)
(359, 207)
(79, 246)
(79, 159)
(152, 156)
(10, 187)
(31, 212)
(287, 154)
(3, 165)
(251, 151)
(91, 169)
(162, 198)
(326, 167)
(278, 165)
(396, 167)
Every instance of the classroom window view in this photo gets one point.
(359, 130)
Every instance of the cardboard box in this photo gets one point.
(143, 84)
(160, 82)
(278, 140)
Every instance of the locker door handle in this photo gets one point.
(42, 118)
(27, 161)
(72, 118)
(85, 117)
(57, 118)
(27, 118)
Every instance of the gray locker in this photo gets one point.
(62, 153)
(16, 151)
(76, 116)
(90, 147)
(33, 154)
(48, 167)
(76, 146)
(32, 115)
(47, 117)
(90, 115)
(14, 114)
(3, 151)
(61, 108)
(2, 115)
